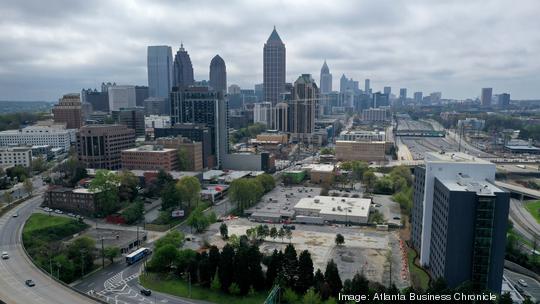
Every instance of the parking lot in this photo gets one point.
(388, 208)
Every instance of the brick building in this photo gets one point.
(150, 157)
(68, 111)
(192, 151)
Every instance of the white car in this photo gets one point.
(16, 214)
(523, 283)
(57, 211)
(5, 255)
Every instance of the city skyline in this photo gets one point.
(415, 45)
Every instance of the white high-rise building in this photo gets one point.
(122, 96)
(262, 113)
(55, 137)
(160, 71)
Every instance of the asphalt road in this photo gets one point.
(524, 223)
(533, 288)
(18, 268)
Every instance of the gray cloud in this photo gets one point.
(52, 47)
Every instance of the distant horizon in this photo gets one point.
(50, 48)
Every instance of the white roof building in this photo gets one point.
(335, 209)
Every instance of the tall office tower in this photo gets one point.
(99, 146)
(68, 111)
(435, 97)
(504, 100)
(459, 220)
(234, 89)
(262, 113)
(367, 88)
(98, 100)
(200, 105)
(122, 96)
(218, 75)
(281, 114)
(403, 94)
(274, 68)
(387, 90)
(141, 94)
(132, 118)
(105, 86)
(259, 91)
(302, 108)
(418, 97)
(379, 100)
(326, 79)
(182, 69)
(160, 70)
(485, 98)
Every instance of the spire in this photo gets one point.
(325, 69)
(181, 45)
(274, 36)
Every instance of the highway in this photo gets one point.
(18, 268)
(524, 223)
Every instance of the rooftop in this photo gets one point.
(455, 157)
(463, 182)
(336, 205)
(149, 148)
(319, 167)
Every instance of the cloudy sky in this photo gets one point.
(52, 47)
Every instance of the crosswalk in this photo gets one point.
(116, 290)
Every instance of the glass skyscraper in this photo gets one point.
(159, 65)
(273, 68)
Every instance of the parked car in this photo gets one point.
(58, 211)
(523, 283)
(146, 292)
(29, 283)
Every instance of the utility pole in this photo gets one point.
(102, 253)
(137, 234)
(83, 252)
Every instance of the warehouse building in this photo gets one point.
(334, 209)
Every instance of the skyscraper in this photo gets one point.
(418, 97)
(459, 220)
(485, 98)
(182, 70)
(68, 111)
(403, 94)
(387, 90)
(367, 87)
(122, 96)
(273, 68)
(504, 100)
(218, 74)
(160, 71)
(326, 79)
(302, 108)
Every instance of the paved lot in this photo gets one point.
(281, 200)
(389, 209)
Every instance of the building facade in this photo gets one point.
(160, 71)
(79, 201)
(182, 69)
(349, 150)
(274, 66)
(326, 79)
(100, 146)
(190, 151)
(218, 74)
(150, 157)
(68, 111)
(262, 113)
(302, 108)
(485, 97)
(122, 96)
(54, 136)
(132, 118)
(16, 156)
(194, 132)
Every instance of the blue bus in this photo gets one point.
(137, 255)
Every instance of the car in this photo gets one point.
(29, 283)
(523, 283)
(16, 214)
(57, 211)
(71, 214)
(146, 292)
(5, 255)
(518, 288)
(396, 218)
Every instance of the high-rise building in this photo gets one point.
(16, 156)
(326, 79)
(403, 94)
(302, 108)
(259, 91)
(98, 99)
(418, 97)
(387, 90)
(195, 132)
(156, 106)
(218, 75)
(367, 88)
(68, 111)
(262, 113)
(281, 117)
(132, 118)
(122, 96)
(234, 89)
(191, 151)
(100, 146)
(380, 100)
(459, 220)
(182, 69)
(141, 94)
(504, 100)
(485, 97)
(274, 54)
(435, 97)
(348, 85)
(160, 70)
(200, 105)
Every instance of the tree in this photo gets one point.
(213, 259)
(340, 240)
(376, 217)
(318, 280)
(215, 285)
(7, 197)
(111, 253)
(226, 267)
(505, 298)
(289, 296)
(82, 252)
(274, 265)
(128, 185)
(311, 297)
(305, 272)
(28, 186)
(134, 212)
(39, 164)
(170, 196)
(197, 220)
(106, 183)
(369, 180)
(190, 187)
(290, 266)
(223, 230)
(281, 233)
(331, 276)
(326, 151)
(245, 193)
(164, 258)
(184, 161)
(267, 181)
(288, 234)
(273, 233)
(173, 237)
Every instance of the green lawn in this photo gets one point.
(38, 221)
(419, 277)
(180, 288)
(534, 210)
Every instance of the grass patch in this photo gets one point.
(180, 288)
(419, 277)
(534, 210)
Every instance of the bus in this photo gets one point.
(137, 255)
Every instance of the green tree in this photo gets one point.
(311, 297)
(7, 197)
(215, 285)
(226, 267)
(281, 233)
(331, 276)
(173, 237)
(106, 183)
(39, 164)
(340, 240)
(273, 233)
(28, 186)
(170, 196)
(164, 258)
(65, 269)
(197, 220)
(184, 161)
(505, 298)
(190, 187)
(134, 212)
(369, 180)
(245, 193)
(224, 231)
(289, 296)
(128, 185)
(327, 151)
(111, 253)
(82, 252)
(305, 272)
(267, 181)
